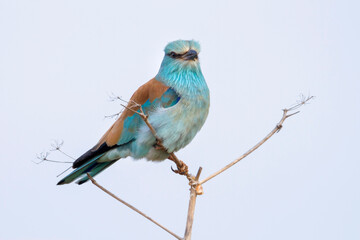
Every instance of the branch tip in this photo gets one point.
(292, 114)
(56, 145)
(303, 100)
(198, 174)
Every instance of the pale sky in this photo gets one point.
(59, 60)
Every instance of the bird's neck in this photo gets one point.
(186, 81)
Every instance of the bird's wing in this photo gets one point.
(150, 95)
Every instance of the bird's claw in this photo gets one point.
(182, 168)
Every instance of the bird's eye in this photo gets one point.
(172, 54)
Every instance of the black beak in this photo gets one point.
(190, 55)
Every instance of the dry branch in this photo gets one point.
(191, 210)
(195, 184)
(43, 157)
(131, 207)
(275, 130)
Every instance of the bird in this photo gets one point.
(176, 102)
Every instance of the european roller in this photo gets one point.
(176, 102)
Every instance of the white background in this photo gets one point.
(60, 59)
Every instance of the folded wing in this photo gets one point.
(151, 95)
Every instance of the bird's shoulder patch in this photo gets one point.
(169, 98)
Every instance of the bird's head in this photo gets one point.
(185, 52)
(180, 68)
(180, 56)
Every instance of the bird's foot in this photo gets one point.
(182, 168)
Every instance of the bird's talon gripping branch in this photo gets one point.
(175, 171)
(182, 168)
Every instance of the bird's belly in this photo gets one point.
(175, 126)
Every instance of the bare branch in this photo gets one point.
(131, 207)
(56, 146)
(64, 171)
(113, 97)
(302, 101)
(191, 210)
(195, 184)
(115, 115)
(277, 128)
(43, 158)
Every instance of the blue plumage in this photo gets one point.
(177, 102)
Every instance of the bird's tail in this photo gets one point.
(92, 167)
(95, 171)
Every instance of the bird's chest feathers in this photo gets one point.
(178, 125)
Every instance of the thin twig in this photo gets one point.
(275, 130)
(113, 97)
(43, 158)
(131, 207)
(115, 115)
(143, 116)
(56, 146)
(49, 160)
(64, 171)
(54, 161)
(66, 154)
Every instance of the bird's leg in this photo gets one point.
(182, 168)
(158, 146)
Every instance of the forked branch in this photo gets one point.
(277, 128)
(196, 185)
